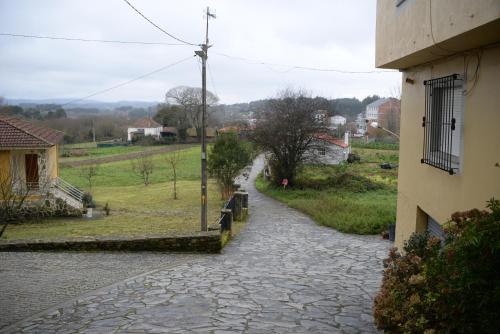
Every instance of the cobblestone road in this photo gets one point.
(282, 274)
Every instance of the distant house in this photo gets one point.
(336, 121)
(144, 127)
(329, 150)
(29, 163)
(385, 112)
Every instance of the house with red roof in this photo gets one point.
(29, 162)
(144, 127)
(328, 150)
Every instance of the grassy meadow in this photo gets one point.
(353, 198)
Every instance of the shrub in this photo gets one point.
(450, 288)
(87, 200)
(340, 181)
(226, 160)
(353, 157)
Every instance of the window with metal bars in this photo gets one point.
(443, 123)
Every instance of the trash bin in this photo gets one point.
(392, 232)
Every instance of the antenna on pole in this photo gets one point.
(203, 54)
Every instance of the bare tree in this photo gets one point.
(190, 100)
(174, 159)
(287, 128)
(89, 172)
(143, 166)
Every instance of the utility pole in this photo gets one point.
(203, 54)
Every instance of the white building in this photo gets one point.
(336, 121)
(372, 110)
(144, 127)
(329, 150)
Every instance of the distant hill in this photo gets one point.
(90, 104)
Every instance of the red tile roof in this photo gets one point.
(331, 140)
(15, 132)
(145, 122)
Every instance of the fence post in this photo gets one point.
(238, 206)
(227, 220)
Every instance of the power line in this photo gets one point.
(295, 67)
(127, 82)
(158, 27)
(249, 61)
(86, 40)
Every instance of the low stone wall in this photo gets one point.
(206, 242)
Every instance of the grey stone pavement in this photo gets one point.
(282, 274)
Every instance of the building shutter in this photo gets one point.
(434, 228)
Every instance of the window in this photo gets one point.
(443, 123)
(322, 150)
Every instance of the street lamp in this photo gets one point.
(377, 126)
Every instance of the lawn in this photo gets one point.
(101, 152)
(120, 174)
(135, 208)
(353, 198)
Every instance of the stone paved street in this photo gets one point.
(282, 274)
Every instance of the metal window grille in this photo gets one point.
(442, 111)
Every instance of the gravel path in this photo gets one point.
(282, 274)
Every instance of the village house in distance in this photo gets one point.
(449, 153)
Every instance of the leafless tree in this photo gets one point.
(287, 128)
(143, 166)
(174, 159)
(89, 172)
(190, 100)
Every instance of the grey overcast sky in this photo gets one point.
(336, 34)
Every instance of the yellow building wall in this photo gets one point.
(404, 38)
(4, 164)
(53, 161)
(422, 188)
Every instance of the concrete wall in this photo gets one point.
(424, 190)
(404, 38)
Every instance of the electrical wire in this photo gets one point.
(294, 67)
(249, 61)
(87, 40)
(158, 27)
(127, 82)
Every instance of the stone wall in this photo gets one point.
(206, 242)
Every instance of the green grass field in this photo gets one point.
(120, 174)
(101, 152)
(355, 198)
